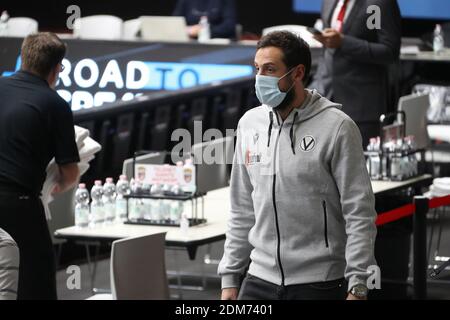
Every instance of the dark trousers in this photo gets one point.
(23, 217)
(254, 288)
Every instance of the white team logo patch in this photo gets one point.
(308, 143)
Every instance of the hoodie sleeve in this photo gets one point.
(357, 202)
(242, 218)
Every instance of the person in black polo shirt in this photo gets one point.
(36, 125)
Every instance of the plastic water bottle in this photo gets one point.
(147, 203)
(177, 207)
(205, 31)
(97, 208)
(135, 205)
(438, 39)
(396, 173)
(165, 205)
(411, 143)
(4, 18)
(122, 189)
(184, 225)
(156, 216)
(82, 206)
(109, 200)
(374, 159)
(189, 171)
(370, 148)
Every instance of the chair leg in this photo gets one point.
(430, 243)
(58, 255)
(92, 265)
(438, 245)
(177, 267)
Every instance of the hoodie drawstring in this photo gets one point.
(291, 133)
(269, 134)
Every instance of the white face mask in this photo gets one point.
(268, 91)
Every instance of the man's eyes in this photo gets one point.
(265, 69)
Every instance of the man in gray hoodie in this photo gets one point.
(302, 206)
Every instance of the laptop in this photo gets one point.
(415, 107)
(164, 28)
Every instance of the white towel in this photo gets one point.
(87, 148)
(439, 188)
(80, 135)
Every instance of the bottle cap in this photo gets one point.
(109, 180)
(123, 177)
(98, 182)
(82, 186)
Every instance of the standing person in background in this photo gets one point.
(9, 267)
(356, 59)
(221, 16)
(36, 125)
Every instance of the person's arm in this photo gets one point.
(387, 48)
(227, 28)
(242, 218)
(348, 166)
(65, 148)
(68, 177)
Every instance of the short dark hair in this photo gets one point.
(41, 52)
(295, 50)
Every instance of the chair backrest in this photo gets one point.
(131, 29)
(164, 28)
(151, 158)
(415, 107)
(213, 173)
(62, 210)
(138, 269)
(21, 27)
(301, 31)
(101, 27)
(9, 267)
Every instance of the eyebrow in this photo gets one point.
(267, 64)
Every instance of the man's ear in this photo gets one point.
(53, 76)
(300, 72)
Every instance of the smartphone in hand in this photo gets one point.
(314, 31)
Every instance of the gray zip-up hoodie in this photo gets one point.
(302, 206)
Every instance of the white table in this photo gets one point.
(217, 207)
(383, 187)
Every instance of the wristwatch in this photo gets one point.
(360, 291)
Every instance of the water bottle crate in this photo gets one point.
(183, 197)
(165, 223)
(386, 163)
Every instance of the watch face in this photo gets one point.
(359, 291)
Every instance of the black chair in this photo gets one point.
(160, 134)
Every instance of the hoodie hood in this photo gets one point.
(313, 105)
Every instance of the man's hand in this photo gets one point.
(194, 30)
(330, 38)
(56, 190)
(229, 294)
(352, 297)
